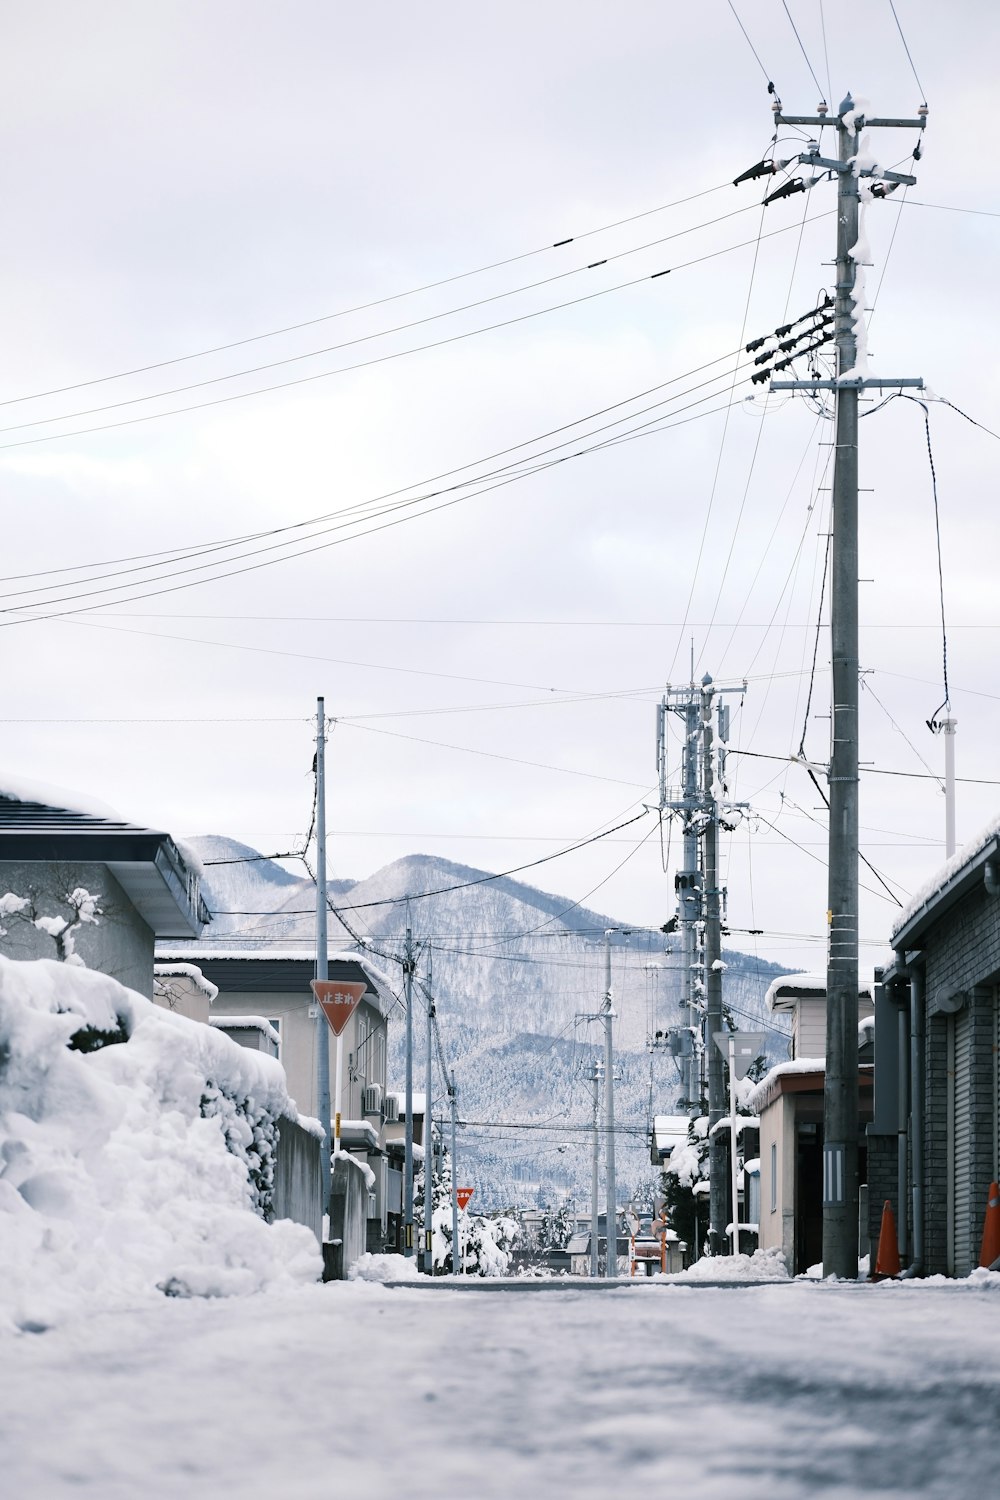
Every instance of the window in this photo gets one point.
(774, 1177)
(275, 1021)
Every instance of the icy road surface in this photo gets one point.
(363, 1391)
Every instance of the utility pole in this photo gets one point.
(595, 1172)
(322, 953)
(429, 1125)
(840, 1106)
(688, 804)
(456, 1249)
(700, 908)
(611, 1268)
(408, 967)
(713, 980)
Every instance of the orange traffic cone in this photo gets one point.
(989, 1255)
(887, 1259)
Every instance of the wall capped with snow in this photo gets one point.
(136, 1152)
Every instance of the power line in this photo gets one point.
(819, 86)
(382, 358)
(21, 611)
(753, 49)
(906, 49)
(873, 770)
(365, 338)
(362, 306)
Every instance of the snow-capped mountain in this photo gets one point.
(513, 969)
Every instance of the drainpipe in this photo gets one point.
(916, 1266)
(902, 1116)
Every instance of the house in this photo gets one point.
(789, 1103)
(934, 1142)
(264, 995)
(79, 882)
(668, 1133)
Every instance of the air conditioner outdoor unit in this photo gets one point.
(373, 1099)
(391, 1109)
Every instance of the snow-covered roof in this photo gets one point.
(38, 827)
(946, 886)
(765, 1090)
(669, 1132)
(783, 992)
(187, 971)
(246, 1023)
(419, 1102)
(206, 954)
(21, 789)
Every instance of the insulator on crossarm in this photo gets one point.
(755, 344)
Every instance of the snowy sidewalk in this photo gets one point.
(766, 1393)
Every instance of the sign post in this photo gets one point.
(338, 1000)
(739, 1048)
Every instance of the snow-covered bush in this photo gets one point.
(136, 1152)
(486, 1243)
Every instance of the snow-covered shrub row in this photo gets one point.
(137, 1163)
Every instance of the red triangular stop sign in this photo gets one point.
(339, 999)
(463, 1195)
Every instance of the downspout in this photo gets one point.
(916, 1266)
(902, 1117)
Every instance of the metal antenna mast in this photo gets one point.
(840, 1108)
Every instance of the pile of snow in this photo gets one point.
(136, 1152)
(369, 1267)
(762, 1265)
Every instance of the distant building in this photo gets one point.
(789, 1102)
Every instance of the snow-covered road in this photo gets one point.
(358, 1390)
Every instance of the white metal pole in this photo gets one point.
(338, 1093)
(949, 726)
(734, 1163)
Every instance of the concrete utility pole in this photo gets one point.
(595, 1172)
(429, 1125)
(456, 1248)
(611, 1268)
(322, 955)
(713, 980)
(408, 967)
(840, 1108)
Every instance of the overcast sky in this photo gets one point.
(183, 176)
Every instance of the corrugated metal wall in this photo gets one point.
(961, 1166)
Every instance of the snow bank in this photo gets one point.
(762, 1265)
(369, 1267)
(136, 1152)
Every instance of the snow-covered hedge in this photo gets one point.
(136, 1152)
